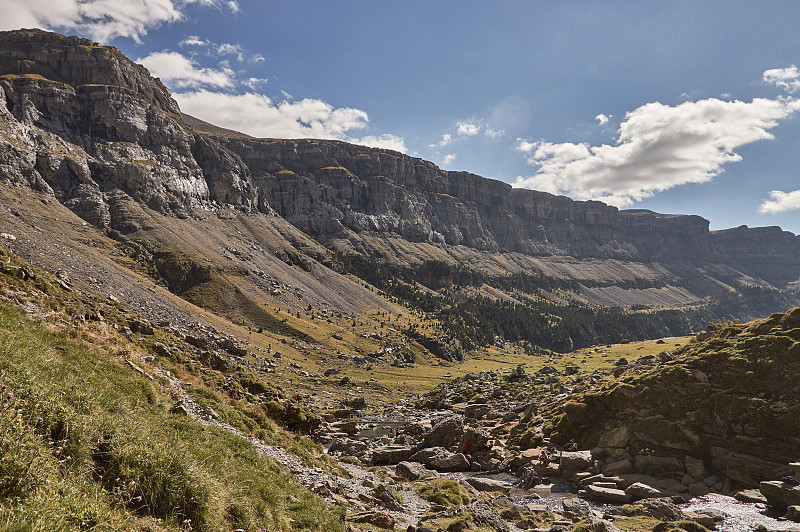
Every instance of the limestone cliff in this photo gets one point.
(83, 122)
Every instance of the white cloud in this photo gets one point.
(230, 49)
(258, 115)
(658, 147)
(286, 95)
(447, 159)
(467, 129)
(780, 202)
(786, 78)
(494, 134)
(525, 146)
(176, 70)
(257, 58)
(102, 20)
(193, 40)
(447, 138)
(254, 83)
(233, 6)
(602, 119)
(390, 142)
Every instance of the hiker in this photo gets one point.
(544, 458)
(571, 446)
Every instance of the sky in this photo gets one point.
(686, 107)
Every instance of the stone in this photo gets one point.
(449, 462)
(695, 467)
(751, 495)
(575, 461)
(663, 509)
(601, 525)
(618, 468)
(476, 411)
(391, 454)
(576, 507)
(488, 484)
(388, 498)
(750, 470)
(412, 470)
(793, 513)
(698, 489)
(659, 465)
(701, 519)
(618, 437)
(379, 519)
(611, 495)
(447, 433)
(638, 490)
(779, 494)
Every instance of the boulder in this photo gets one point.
(793, 513)
(659, 465)
(619, 467)
(662, 509)
(747, 469)
(698, 489)
(447, 433)
(412, 470)
(488, 484)
(752, 496)
(694, 467)
(391, 454)
(449, 462)
(638, 490)
(388, 498)
(780, 494)
(575, 461)
(379, 519)
(618, 437)
(611, 495)
(596, 524)
(347, 446)
(476, 411)
(575, 507)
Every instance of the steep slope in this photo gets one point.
(731, 400)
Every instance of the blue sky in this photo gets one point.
(679, 107)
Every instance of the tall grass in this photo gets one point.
(86, 443)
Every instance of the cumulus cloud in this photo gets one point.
(493, 134)
(785, 78)
(254, 83)
(258, 115)
(659, 147)
(390, 142)
(602, 119)
(447, 138)
(178, 71)
(467, 129)
(102, 20)
(449, 158)
(780, 202)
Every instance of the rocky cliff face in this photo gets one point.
(333, 189)
(83, 122)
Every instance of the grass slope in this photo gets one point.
(88, 443)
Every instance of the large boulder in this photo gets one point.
(447, 433)
(379, 519)
(477, 410)
(618, 437)
(447, 462)
(412, 470)
(488, 484)
(659, 465)
(750, 470)
(780, 494)
(639, 490)
(611, 495)
(391, 454)
(619, 467)
(575, 461)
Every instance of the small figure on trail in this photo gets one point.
(544, 458)
(571, 446)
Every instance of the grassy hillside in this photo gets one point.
(88, 442)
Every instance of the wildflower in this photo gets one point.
(10, 395)
(39, 419)
(27, 426)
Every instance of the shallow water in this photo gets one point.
(741, 516)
